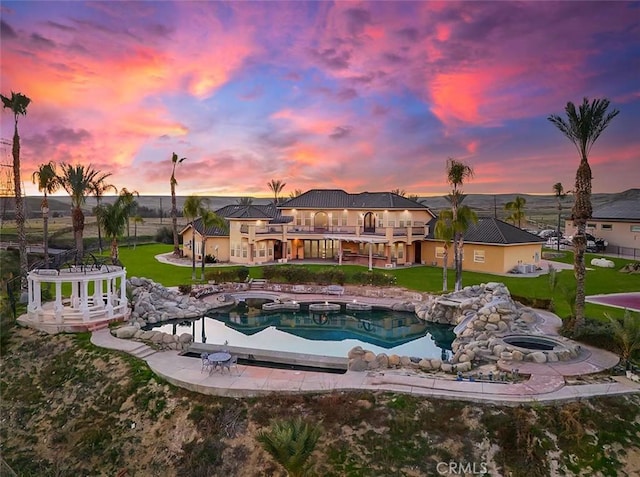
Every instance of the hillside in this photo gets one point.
(483, 203)
(69, 408)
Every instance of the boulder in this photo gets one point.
(126, 332)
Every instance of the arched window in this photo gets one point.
(369, 223)
(320, 222)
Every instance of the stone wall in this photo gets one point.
(153, 303)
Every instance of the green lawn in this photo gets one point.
(140, 262)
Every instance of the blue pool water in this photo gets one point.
(326, 334)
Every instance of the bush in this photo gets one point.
(374, 278)
(242, 273)
(164, 235)
(210, 259)
(185, 289)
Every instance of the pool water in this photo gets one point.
(324, 334)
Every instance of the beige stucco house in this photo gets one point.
(376, 229)
(490, 246)
(618, 223)
(379, 229)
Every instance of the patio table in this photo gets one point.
(219, 357)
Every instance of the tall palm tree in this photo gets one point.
(48, 183)
(193, 207)
(560, 194)
(18, 104)
(276, 187)
(112, 218)
(583, 127)
(98, 188)
(457, 173)
(137, 219)
(129, 205)
(295, 193)
(516, 207)
(291, 444)
(174, 207)
(444, 232)
(209, 219)
(77, 180)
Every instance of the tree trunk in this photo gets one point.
(203, 258)
(445, 264)
(45, 239)
(20, 215)
(459, 265)
(114, 251)
(174, 221)
(581, 213)
(77, 218)
(193, 253)
(99, 231)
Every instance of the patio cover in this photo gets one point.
(358, 239)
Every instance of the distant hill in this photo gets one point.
(483, 204)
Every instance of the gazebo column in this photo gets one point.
(339, 252)
(57, 306)
(84, 297)
(97, 293)
(370, 256)
(123, 291)
(35, 299)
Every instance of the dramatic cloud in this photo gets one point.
(354, 95)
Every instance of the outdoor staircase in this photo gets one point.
(142, 351)
(257, 283)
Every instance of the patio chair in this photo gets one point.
(233, 361)
(206, 364)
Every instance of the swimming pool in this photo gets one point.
(324, 334)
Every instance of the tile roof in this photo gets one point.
(339, 199)
(492, 231)
(209, 232)
(620, 210)
(236, 211)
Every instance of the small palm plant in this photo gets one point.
(626, 332)
(291, 444)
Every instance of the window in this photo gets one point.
(439, 252)
(400, 250)
(635, 228)
(606, 227)
(478, 256)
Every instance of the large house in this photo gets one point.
(377, 229)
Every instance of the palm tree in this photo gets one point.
(276, 187)
(77, 180)
(295, 193)
(209, 219)
(174, 207)
(137, 219)
(627, 334)
(560, 194)
(516, 207)
(48, 183)
(193, 207)
(400, 192)
(129, 206)
(98, 188)
(583, 127)
(112, 218)
(244, 201)
(291, 444)
(444, 232)
(457, 173)
(18, 104)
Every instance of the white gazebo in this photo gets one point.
(87, 297)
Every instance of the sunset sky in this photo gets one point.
(362, 96)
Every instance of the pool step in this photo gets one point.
(257, 283)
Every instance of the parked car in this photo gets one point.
(552, 242)
(594, 245)
(545, 234)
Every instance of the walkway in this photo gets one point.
(546, 384)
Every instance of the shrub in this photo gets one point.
(164, 235)
(185, 289)
(210, 259)
(242, 273)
